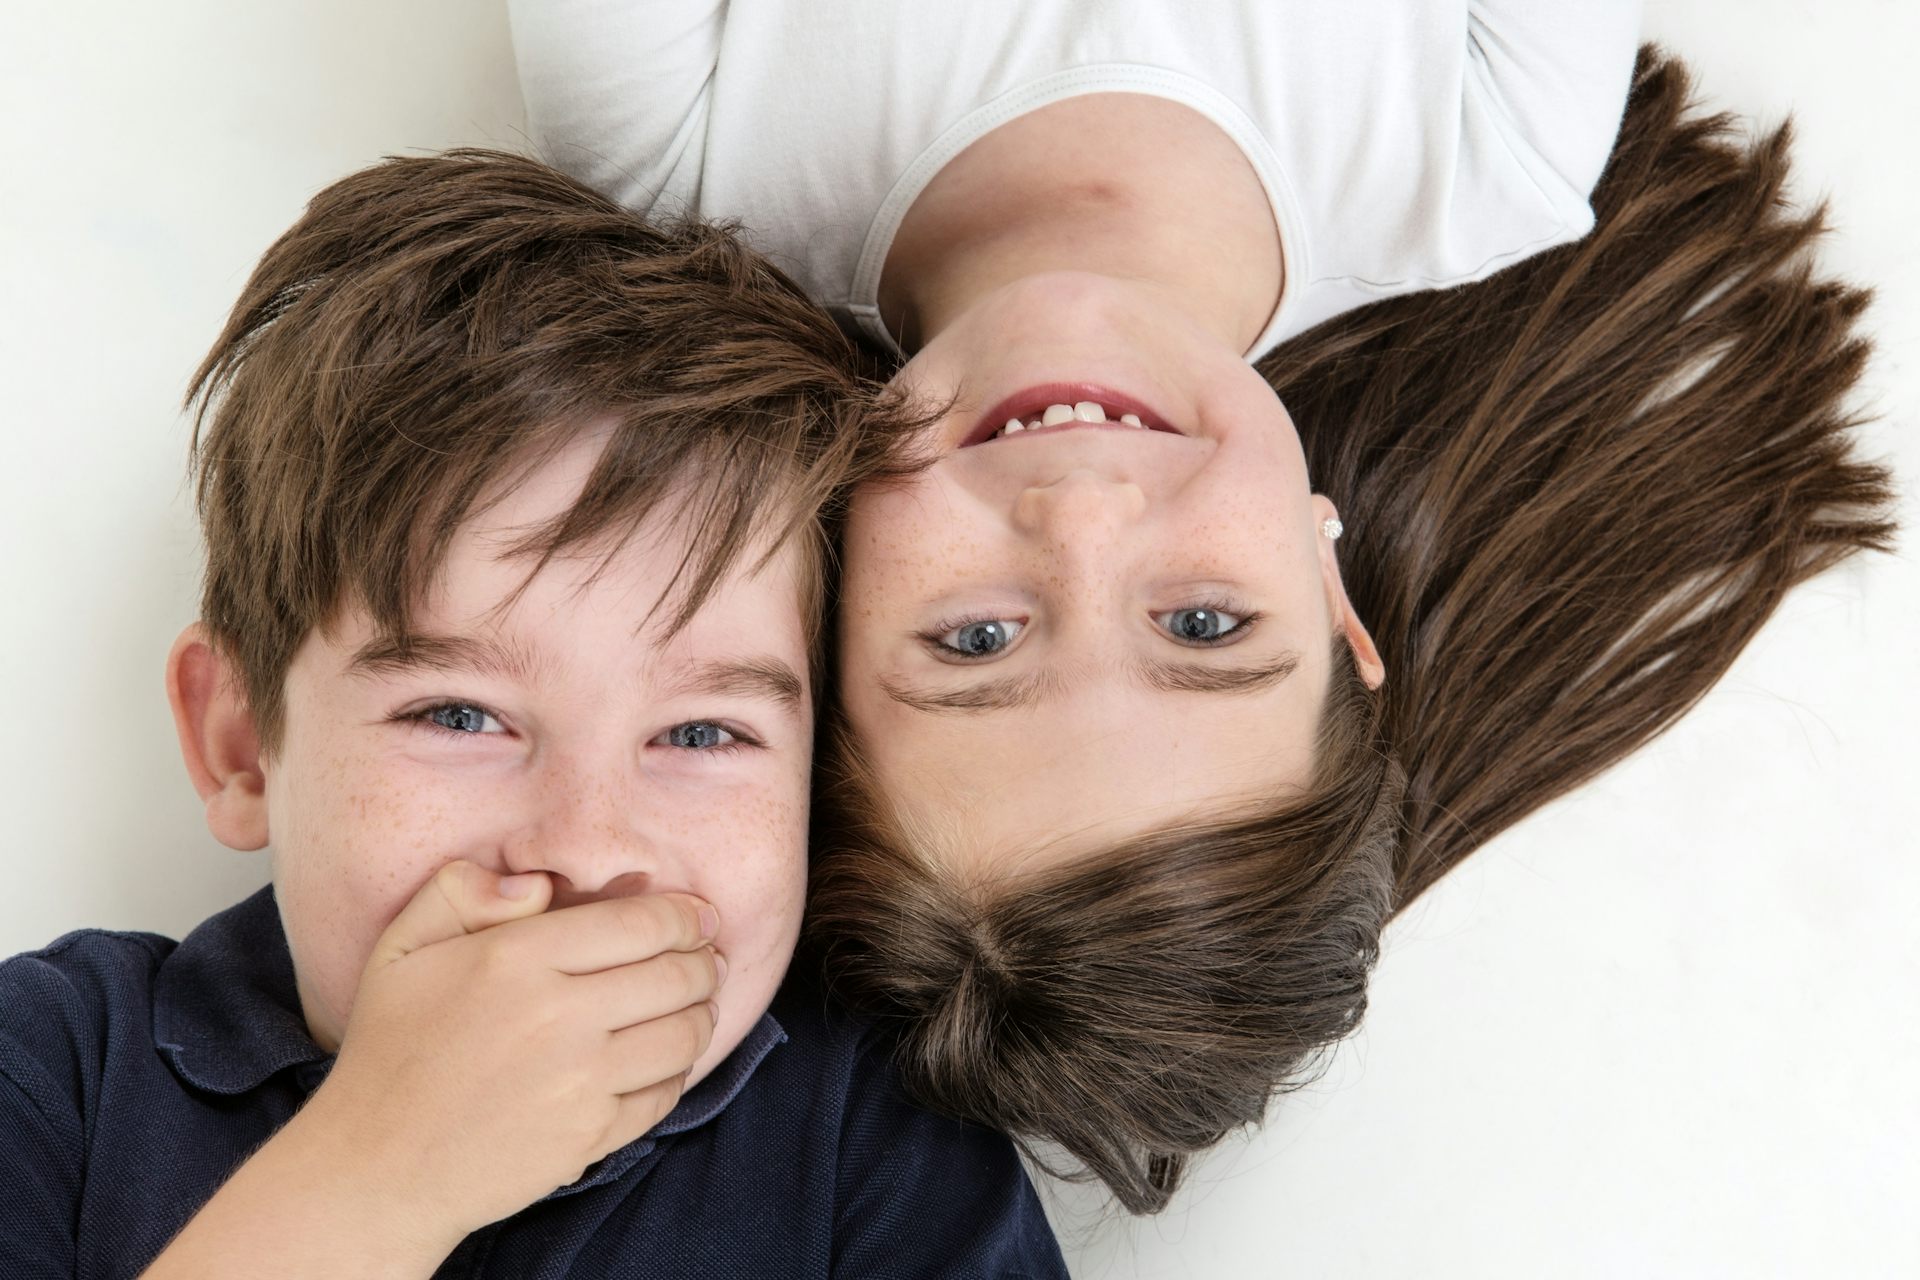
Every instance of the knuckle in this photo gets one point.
(639, 920)
(658, 1103)
(685, 919)
(500, 956)
(692, 1036)
(696, 976)
(451, 882)
(705, 1019)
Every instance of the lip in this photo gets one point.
(1032, 401)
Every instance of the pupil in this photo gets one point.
(700, 737)
(982, 637)
(1198, 624)
(460, 719)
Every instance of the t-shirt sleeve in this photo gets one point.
(1558, 70)
(920, 1195)
(42, 1137)
(616, 91)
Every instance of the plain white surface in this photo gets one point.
(1665, 1028)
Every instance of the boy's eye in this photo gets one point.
(699, 735)
(460, 717)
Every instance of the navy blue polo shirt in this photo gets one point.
(137, 1073)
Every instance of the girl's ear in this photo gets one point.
(1367, 658)
(1345, 621)
(218, 741)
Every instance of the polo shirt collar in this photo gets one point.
(226, 1018)
(702, 1103)
(226, 1011)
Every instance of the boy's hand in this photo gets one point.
(494, 1052)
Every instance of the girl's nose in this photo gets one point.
(1079, 506)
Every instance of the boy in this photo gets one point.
(514, 572)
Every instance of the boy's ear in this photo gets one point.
(218, 741)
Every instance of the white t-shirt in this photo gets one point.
(1403, 144)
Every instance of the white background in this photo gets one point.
(1665, 1028)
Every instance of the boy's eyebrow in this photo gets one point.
(764, 677)
(482, 655)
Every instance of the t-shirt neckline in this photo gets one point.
(1116, 77)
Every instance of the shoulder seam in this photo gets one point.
(67, 941)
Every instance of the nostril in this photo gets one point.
(588, 886)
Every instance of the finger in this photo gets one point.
(640, 992)
(461, 898)
(616, 931)
(645, 1054)
(640, 1111)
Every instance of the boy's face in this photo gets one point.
(554, 731)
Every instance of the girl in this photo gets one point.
(1129, 768)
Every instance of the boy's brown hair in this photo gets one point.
(433, 328)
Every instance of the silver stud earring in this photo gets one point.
(1332, 528)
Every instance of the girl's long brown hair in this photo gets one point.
(1575, 491)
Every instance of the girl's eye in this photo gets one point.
(700, 735)
(1201, 626)
(460, 717)
(981, 639)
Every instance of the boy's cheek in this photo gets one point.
(332, 923)
(340, 885)
(761, 898)
(749, 990)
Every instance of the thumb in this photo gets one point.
(461, 898)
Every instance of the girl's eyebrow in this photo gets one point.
(1036, 687)
(988, 695)
(1200, 677)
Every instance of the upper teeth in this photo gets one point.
(1055, 414)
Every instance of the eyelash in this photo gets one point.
(1248, 618)
(931, 638)
(423, 717)
(1222, 605)
(741, 741)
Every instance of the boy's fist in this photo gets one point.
(496, 1049)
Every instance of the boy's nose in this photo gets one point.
(568, 894)
(595, 839)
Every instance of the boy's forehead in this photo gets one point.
(501, 597)
(503, 549)
(523, 610)
(492, 606)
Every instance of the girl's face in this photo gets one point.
(1072, 634)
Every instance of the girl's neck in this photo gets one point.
(1138, 188)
